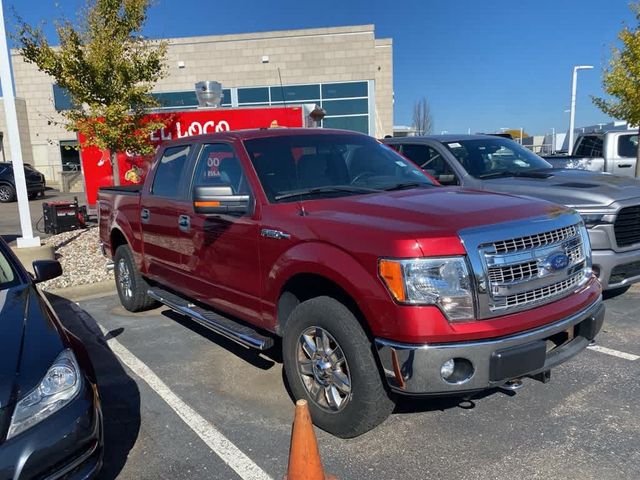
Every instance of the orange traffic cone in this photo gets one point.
(304, 457)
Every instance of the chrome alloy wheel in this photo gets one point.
(5, 193)
(323, 369)
(124, 278)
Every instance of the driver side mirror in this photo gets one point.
(219, 199)
(46, 270)
(447, 179)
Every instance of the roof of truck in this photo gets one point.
(263, 133)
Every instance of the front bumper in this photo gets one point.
(415, 369)
(616, 269)
(68, 445)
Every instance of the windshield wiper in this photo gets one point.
(406, 185)
(536, 173)
(327, 189)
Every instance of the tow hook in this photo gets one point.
(514, 384)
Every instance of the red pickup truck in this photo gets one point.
(379, 281)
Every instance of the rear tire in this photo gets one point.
(132, 288)
(329, 362)
(7, 193)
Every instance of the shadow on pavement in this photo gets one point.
(407, 404)
(118, 392)
(262, 360)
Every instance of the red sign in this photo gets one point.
(96, 166)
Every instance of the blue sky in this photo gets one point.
(483, 65)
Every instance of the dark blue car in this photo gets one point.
(36, 183)
(50, 415)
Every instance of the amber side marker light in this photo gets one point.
(206, 204)
(391, 274)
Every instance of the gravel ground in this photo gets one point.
(79, 253)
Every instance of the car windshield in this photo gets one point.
(8, 276)
(308, 166)
(494, 156)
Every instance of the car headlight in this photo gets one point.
(59, 386)
(593, 219)
(444, 282)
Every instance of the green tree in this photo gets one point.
(621, 79)
(109, 70)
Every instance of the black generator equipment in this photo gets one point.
(63, 216)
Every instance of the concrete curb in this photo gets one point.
(86, 292)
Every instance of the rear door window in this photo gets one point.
(171, 172)
(628, 146)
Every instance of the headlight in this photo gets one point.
(58, 387)
(593, 219)
(444, 282)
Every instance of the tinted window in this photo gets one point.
(346, 107)
(176, 99)
(170, 172)
(344, 90)
(295, 93)
(62, 99)
(430, 161)
(293, 163)
(487, 156)
(8, 277)
(628, 145)
(356, 124)
(589, 146)
(219, 165)
(253, 95)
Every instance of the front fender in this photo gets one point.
(359, 282)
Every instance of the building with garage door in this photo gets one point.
(346, 70)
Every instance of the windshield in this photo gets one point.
(483, 157)
(8, 276)
(310, 166)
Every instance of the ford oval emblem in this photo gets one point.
(557, 261)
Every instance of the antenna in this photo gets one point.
(284, 100)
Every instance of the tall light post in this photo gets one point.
(27, 239)
(572, 114)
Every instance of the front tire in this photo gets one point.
(132, 288)
(329, 361)
(7, 193)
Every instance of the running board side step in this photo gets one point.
(235, 331)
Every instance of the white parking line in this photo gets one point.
(614, 353)
(216, 441)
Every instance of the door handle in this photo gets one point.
(145, 215)
(184, 223)
(626, 165)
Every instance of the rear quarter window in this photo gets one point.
(628, 145)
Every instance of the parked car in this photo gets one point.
(612, 152)
(377, 279)
(50, 415)
(609, 205)
(36, 183)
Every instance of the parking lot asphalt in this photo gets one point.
(174, 393)
(10, 219)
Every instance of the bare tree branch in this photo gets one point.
(422, 118)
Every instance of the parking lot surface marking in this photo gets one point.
(612, 352)
(216, 441)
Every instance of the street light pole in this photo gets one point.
(572, 115)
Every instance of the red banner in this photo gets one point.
(96, 166)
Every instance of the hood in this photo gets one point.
(573, 188)
(432, 217)
(30, 340)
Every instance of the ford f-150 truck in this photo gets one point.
(609, 204)
(379, 281)
(614, 152)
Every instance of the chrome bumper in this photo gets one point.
(606, 262)
(415, 369)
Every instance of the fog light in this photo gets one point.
(457, 371)
(447, 368)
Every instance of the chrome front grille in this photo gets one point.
(534, 241)
(532, 269)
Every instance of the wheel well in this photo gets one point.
(306, 286)
(117, 239)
